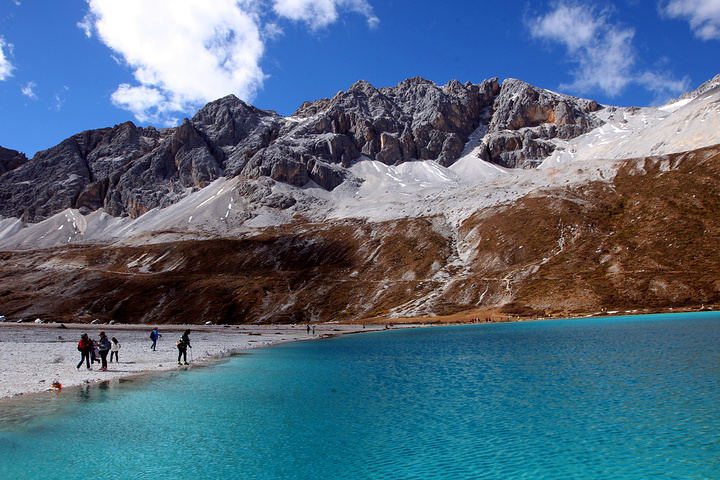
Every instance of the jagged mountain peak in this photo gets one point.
(706, 87)
(10, 159)
(362, 86)
(231, 103)
(523, 105)
(127, 170)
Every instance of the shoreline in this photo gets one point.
(35, 356)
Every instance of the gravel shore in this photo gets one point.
(33, 357)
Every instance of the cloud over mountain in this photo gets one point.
(184, 54)
(6, 67)
(602, 50)
(321, 13)
(703, 15)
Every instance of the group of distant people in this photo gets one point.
(182, 345)
(92, 351)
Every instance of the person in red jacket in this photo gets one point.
(84, 345)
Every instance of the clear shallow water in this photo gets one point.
(633, 397)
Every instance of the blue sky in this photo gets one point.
(74, 65)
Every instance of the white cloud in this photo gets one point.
(60, 98)
(6, 67)
(663, 86)
(147, 103)
(184, 53)
(86, 25)
(703, 15)
(574, 26)
(28, 91)
(603, 52)
(272, 31)
(321, 13)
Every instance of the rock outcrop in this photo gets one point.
(706, 87)
(414, 120)
(10, 159)
(81, 172)
(129, 170)
(525, 118)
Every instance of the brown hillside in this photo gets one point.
(345, 271)
(648, 238)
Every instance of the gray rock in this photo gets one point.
(178, 164)
(10, 159)
(50, 182)
(525, 117)
(414, 120)
(129, 170)
(235, 131)
(706, 87)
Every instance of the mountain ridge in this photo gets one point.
(128, 170)
(621, 217)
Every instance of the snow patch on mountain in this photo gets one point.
(684, 125)
(380, 193)
(377, 192)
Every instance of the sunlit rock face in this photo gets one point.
(128, 170)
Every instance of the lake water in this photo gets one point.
(624, 397)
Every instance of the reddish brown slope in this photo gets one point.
(649, 238)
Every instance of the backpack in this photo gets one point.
(80, 346)
(152, 335)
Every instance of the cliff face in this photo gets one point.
(129, 170)
(10, 160)
(525, 118)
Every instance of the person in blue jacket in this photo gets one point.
(105, 346)
(154, 335)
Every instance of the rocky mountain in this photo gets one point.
(127, 170)
(414, 200)
(10, 159)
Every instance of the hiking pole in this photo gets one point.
(191, 355)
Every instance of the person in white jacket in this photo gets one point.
(114, 349)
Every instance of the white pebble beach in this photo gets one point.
(35, 356)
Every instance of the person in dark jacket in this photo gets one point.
(84, 345)
(183, 344)
(94, 353)
(104, 347)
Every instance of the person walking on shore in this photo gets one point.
(84, 346)
(154, 335)
(104, 346)
(183, 344)
(114, 349)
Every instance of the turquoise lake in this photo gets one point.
(608, 398)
